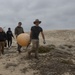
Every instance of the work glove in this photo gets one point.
(44, 42)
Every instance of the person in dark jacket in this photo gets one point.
(19, 30)
(2, 40)
(9, 37)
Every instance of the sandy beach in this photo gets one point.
(60, 60)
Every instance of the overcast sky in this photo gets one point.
(54, 14)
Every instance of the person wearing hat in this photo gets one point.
(34, 37)
(19, 30)
(9, 37)
(2, 40)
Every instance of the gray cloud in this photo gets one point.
(54, 14)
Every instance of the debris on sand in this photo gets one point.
(55, 62)
(10, 65)
(24, 70)
(45, 49)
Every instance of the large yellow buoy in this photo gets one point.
(23, 39)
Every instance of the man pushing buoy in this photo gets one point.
(18, 31)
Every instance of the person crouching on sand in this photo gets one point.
(34, 36)
(2, 40)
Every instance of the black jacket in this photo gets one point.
(9, 35)
(2, 36)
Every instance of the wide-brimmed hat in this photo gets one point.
(37, 20)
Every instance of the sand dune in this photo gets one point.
(60, 36)
(59, 61)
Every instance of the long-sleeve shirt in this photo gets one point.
(9, 35)
(2, 36)
(18, 30)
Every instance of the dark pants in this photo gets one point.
(9, 42)
(19, 48)
(2, 44)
